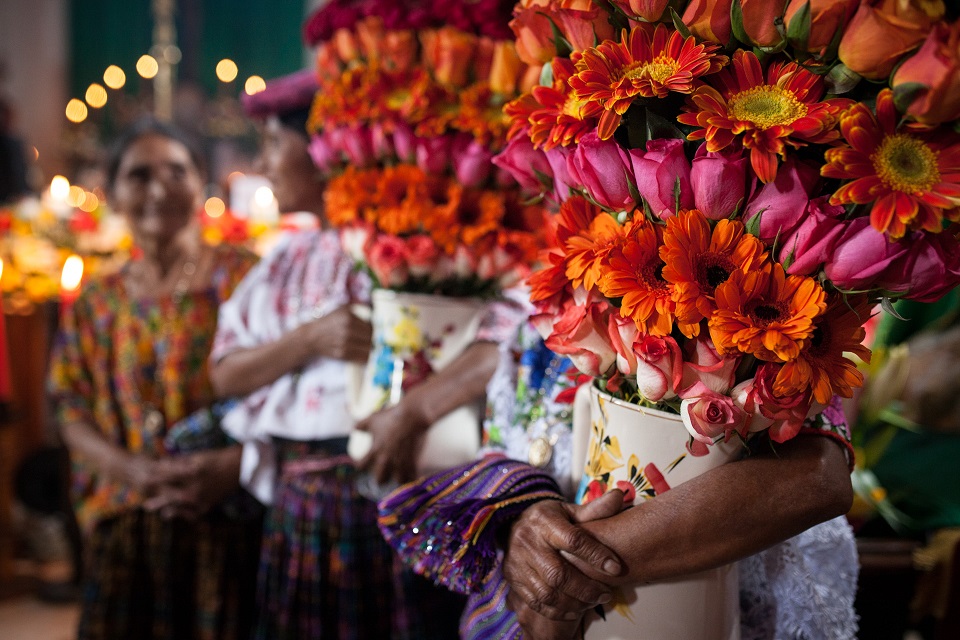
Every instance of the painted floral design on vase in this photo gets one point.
(644, 453)
(413, 336)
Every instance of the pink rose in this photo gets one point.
(745, 396)
(325, 157)
(809, 245)
(357, 144)
(929, 268)
(719, 181)
(388, 260)
(783, 202)
(623, 332)
(656, 171)
(523, 162)
(381, 142)
(603, 168)
(563, 183)
(788, 413)
(710, 416)
(422, 255)
(496, 263)
(471, 161)
(433, 154)
(704, 365)
(861, 255)
(659, 366)
(404, 142)
(464, 263)
(581, 333)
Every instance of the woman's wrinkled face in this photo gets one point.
(159, 189)
(285, 162)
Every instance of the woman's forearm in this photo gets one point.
(87, 443)
(245, 370)
(729, 513)
(461, 382)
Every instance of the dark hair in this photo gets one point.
(148, 127)
(295, 120)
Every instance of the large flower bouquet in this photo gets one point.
(406, 121)
(739, 184)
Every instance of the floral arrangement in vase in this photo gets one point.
(739, 184)
(405, 124)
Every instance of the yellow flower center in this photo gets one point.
(573, 107)
(906, 164)
(657, 70)
(767, 106)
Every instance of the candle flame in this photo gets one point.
(72, 273)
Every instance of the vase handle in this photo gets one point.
(580, 437)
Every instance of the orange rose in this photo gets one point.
(826, 18)
(937, 68)
(582, 23)
(649, 10)
(758, 21)
(534, 35)
(883, 31)
(709, 19)
(506, 68)
(370, 35)
(448, 52)
(346, 45)
(400, 50)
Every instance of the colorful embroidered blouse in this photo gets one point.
(118, 358)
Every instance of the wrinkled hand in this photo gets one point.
(536, 627)
(543, 549)
(194, 483)
(140, 473)
(339, 335)
(398, 433)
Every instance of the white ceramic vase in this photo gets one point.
(633, 446)
(415, 335)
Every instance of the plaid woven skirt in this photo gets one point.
(325, 570)
(150, 578)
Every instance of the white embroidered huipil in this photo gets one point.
(306, 276)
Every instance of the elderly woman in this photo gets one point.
(129, 362)
(283, 344)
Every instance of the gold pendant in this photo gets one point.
(541, 450)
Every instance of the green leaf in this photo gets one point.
(676, 195)
(904, 94)
(678, 23)
(841, 79)
(887, 305)
(546, 75)
(790, 259)
(564, 48)
(736, 22)
(753, 224)
(798, 31)
(661, 127)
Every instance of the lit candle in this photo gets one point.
(70, 279)
(4, 363)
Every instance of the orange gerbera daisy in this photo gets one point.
(400, 200)
(634, 274)
(768, 114)
(766, 313)
(912, 180)
(349, 194)
(555, 115)
(650, 61)
(481, 114)
(586, 234)
(821, 366)
(699, 259)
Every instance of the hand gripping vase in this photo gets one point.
(643, 451)
(415, 335)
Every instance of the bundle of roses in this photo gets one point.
(407, 119)
(430, 233)
(735, 198)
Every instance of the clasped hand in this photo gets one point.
(186, 485)
(398, 433)
(548, 563)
